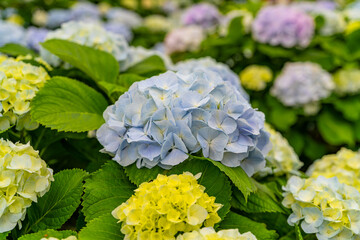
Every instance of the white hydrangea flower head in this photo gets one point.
(90, 34)
(282, 158)
(23, 178)
(68, 238)
(124, 16)
(184, 39)
(302, 83)
(19, 83)
(345, 165)
(209, 233)
(323, 206)
(347, 81)
(138, 54)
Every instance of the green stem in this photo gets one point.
(36, 145)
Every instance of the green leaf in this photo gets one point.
(105, 190)
(102, 228)
(149, 67)
(216, 183)
(349, 107)
(65, 104)
(282, 118)
(334, 129)
(275, 52)
(235, 30)
(58, 205)
(244, 224)
(16, 50)
(298, 233)
(48, 233)
(263, 200)
(238, 176)
(146, 175)
(98, 65)
(114, 90)
(4, 235)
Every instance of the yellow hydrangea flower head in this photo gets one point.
(345, 165)
(157, 23)
(2, 58)
(19, 83)
(347, 81)
(16, 19)
(210, 234)
(323, 206)
(170, 204)
(68, 238)
(23, 178)
(282, 158)
(352, 27)
(256, 77)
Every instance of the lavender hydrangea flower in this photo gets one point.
(119, 28)
(83, 11)
(283, 25)
(34, 36)
(161, 120)
(302, 83)
(11, 33)
(184, 39)
(56, 17)
(203, 14)
(126, 17)
(207, 63)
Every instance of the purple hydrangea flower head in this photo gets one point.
(203, 14)
(208, 63)
(302, 83)
(11, 33)
(119, 28)
(56, 17)
(85, 10)
(161, 120)
(34, 36)
(184, 39)
(283, 25)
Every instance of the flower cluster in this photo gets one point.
(159, 121)
(120, 29)
(208, 63)
(23, 178)
(11, 33)
(210, 234)
(255, 77)
(283, 25)
(88, 34)
(301, 83)
(168, 205)
(34, 36)
(345, 165)
(203, 14)
(282, 158)
(123, 16)
(184, 39)
(19, 83)
(324, 206)
(68, 238)
(347, 81)
(157, 23)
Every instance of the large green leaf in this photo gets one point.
(349, 107)
(102, 228)
(14, 49)
(105, 190)
(47, 234)
(261, 201)
(334, 129)
(238, 176)
(148, 67)
(58, 205)
(65, 104)
(146, 175)
(98, 65)
(244, 224)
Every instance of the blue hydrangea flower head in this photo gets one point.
(283, 25)
(56, 17)
(119, 28)
(209, 63)
(11, 33)
(34, 36)
(161, 120)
